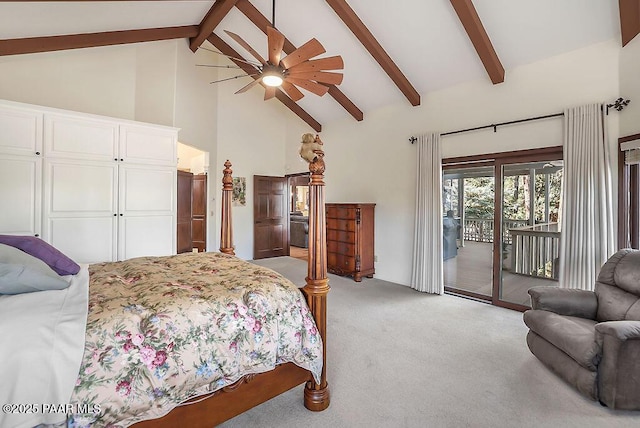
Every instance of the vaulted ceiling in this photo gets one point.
(394, 51)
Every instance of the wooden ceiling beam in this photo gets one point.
(228, 51)
(218, 11)
(260, 21)
(475, 30)
(357, 27)
(298, 111)
(89, 40)
(629, 19)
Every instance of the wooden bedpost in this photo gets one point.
(226, 232)
(316, 396)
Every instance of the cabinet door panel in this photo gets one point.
(198, 231)
(84, 239)
(147, 190)
(20, 193)
(148, 145)
(146, 236)
(21, 131)
(80, 188)
(80, 138)
(199, 199)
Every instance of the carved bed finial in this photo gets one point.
(226, 176)
(311, 151)
(316, 166)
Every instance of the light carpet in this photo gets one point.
(400, 358)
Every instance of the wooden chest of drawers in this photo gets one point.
(350, 239)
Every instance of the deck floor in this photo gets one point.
(471, 270)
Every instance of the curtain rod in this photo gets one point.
(618, 104)
(494, 125)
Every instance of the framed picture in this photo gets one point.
(238, 198)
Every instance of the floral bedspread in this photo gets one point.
(161, 330)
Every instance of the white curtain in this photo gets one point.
(426, 275)
(587, 209)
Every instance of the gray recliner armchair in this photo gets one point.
(591, 339)
(299, 233)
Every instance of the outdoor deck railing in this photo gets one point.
(534, 249)
(481, 229)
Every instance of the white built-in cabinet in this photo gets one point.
(103, 189)
(20, 171)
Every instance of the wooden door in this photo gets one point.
(184, 228)
(199, 212)
(270, 217)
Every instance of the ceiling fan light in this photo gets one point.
(272, 79)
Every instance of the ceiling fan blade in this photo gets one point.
(319, 76)
(246, 45)
(276, 43)
(329, 63)
(269, 92)
(293, 92)
(308, 50)
(309, 85)
(247, 87)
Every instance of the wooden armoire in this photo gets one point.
(350, 239)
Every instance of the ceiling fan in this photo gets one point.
(297, 69)
(294, 70)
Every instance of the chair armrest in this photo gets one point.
(619, 371)
(565, 301)
(621, 330)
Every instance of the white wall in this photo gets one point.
(372, 161)
(630, 87)
(252, 135)
(155, 82)
(96, 80)
(192, 159)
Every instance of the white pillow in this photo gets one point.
(23, 273)
(41, 346)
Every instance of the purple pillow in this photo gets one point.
(57, 261)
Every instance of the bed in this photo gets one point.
(187, 340)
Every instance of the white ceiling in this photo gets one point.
(423, 37)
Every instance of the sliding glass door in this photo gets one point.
(468, 205)
(501, 232)
(530, 237)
